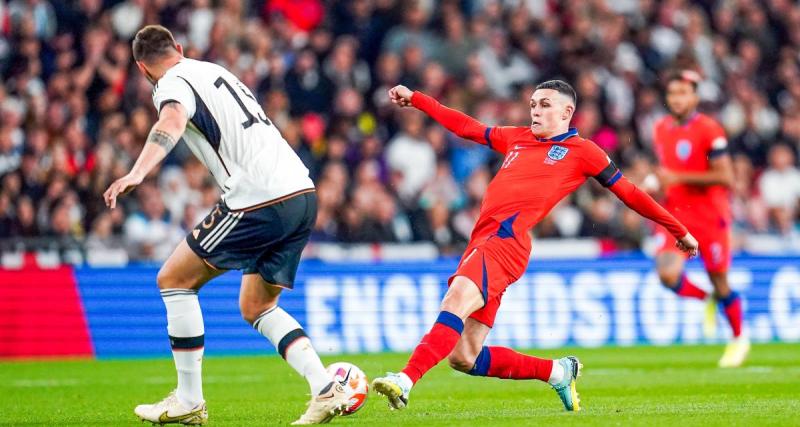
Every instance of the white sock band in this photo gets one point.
(557, 373)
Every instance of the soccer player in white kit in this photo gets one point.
(260, 225)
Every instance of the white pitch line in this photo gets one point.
(743, 370)
(72, 382)
(66, 382)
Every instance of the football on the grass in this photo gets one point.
(355, 383)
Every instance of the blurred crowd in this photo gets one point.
(74, 111)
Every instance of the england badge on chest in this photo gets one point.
(557, 152)
(683, 149)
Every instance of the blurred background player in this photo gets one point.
(696, 174)
(260, 225)
(544, 162)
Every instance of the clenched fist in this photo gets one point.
(401, 95)
(688, 244)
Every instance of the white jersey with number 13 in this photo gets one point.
(230, 134)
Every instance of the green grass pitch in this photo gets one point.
(620, 386)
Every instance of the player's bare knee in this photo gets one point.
(452, 304)
(252, 310)
(720, 282)
(167, 280)
(462, 298)
(248, 317)
(669, 279)
(460, 361)
(162, 279)
(669, 269)
(249, 312)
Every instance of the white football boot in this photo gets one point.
(396, 388)
(172, 411)
(735, 352)
(329, 403)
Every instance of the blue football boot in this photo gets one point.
(566, 389)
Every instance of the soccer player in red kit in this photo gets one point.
(696, 173)
(543, 163)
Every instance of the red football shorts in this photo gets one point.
(487, 265)
(714, 240)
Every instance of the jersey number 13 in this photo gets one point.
(252, 119)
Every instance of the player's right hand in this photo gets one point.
(401, 95)
(119, 187)
(688, 244)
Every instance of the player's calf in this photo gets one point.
(671, 273)
(682, 286)
(434, 347)
(258, 303)
(293, 345)
(284, 332)
(462, 299)
(505, 363)
(187, 339)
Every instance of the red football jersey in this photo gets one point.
(689, 147)
(535, 175)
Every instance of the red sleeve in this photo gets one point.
(657, 140)
(499, 137)
(598, 165)
(645, 206)
(462, 124)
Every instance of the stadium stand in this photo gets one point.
(74, 112)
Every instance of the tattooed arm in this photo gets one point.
(163, 137)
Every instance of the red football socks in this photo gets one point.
(688, 289)
(732, 305)
(435, 346)
(503, 362)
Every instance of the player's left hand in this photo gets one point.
(119, 187)
(688, 244)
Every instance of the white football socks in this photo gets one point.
(283, 331)
(557, 373)
(186, 336)
(406, 380)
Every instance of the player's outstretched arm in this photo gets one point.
(645, 206)
(454, 120)
(720, 172)
(163, 137)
